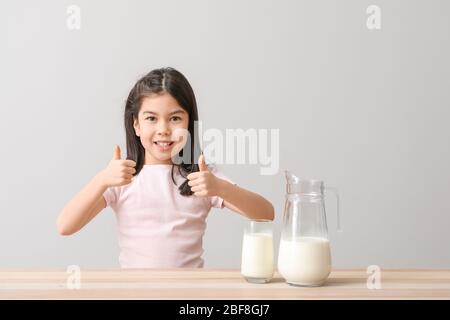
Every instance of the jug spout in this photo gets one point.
(292, 182)
(306, 186)
(291, 178)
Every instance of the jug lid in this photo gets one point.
(306, 186)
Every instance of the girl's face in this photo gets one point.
(158, 126)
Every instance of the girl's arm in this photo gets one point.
(245, 202)
(204, 183)
(89, 201)
(83, 207)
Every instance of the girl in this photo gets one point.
(161, 205)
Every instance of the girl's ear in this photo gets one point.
(137, 130)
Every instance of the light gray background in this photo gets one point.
(366, 111)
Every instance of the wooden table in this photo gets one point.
(223, 284)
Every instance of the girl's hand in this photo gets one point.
(118, 172)
(203, 183)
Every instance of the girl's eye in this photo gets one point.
(151, 118)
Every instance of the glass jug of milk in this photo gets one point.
(257, 264)
(304, 257)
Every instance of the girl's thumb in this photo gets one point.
(201, 163)
(116, 153)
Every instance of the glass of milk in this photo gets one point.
(257, 265)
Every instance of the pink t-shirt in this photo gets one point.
(158, 227)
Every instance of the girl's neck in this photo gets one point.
(151, 161)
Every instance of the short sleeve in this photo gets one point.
(110, 196)
(217, 202)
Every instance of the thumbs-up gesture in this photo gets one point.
(118, 172)
(203, 183)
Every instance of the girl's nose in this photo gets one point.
(163, 128)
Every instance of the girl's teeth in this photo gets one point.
(163, 144)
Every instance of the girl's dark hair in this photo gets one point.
(158, 81)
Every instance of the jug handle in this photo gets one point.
(335, 191)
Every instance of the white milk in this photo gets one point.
(304, 260)
(257, 256)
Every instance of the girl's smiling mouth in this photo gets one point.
(164, 145)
